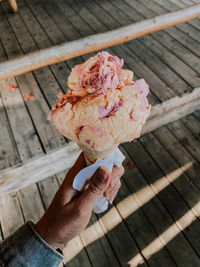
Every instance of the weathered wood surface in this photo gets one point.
(144, 226)
(89, 44)
(167, 86)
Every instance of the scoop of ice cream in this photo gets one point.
(100, 122)
(98, 74)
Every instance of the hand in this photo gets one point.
(70, 210)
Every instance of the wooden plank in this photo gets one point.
(145, 196)
(45, 39)
(31, 203)
(8, 152)
(99, 250)
(174, 102)
(195, 23)
(180, 51)
(72, 49)
(192, 124)
(32, 209)
(186, 189)
(184, 39)
(40, 28)
(159, 67)
(26, 137)
(186, 138)
(187, 28)
(42, 110)
(168, 196)
(48, 187)
(114, 226)
(172, 115)
(44, 76)
(197, 114)
(175, 47)
(39, 111)
(46, 22)
(27, 45)
(172, 61)
(61, 21)
(175, 32)
(6, 34)
(179, 153)
(75, 255)
(15, 178)
(10, 221)
(37, 106)
(142, 231)
(183, 4)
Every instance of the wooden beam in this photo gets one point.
(174, 103)
(36, 169)
(170, 116)
(93, 43)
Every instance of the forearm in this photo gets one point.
(26, 248)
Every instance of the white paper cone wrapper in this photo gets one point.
(85, 174)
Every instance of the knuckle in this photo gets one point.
(94, 188)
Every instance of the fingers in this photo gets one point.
(114, 191)
(66, 191)
(116, 174)
(99, 183)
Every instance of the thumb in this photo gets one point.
(99, 183)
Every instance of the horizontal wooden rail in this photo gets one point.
(93, 43)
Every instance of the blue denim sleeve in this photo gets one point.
(26, 248)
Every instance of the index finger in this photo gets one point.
(66, 191)
(117, 172)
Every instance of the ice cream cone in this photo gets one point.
(91, 155)
(103, 107)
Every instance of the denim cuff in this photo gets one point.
(26, 248)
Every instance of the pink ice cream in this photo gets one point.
(103, 107)
(98, 74)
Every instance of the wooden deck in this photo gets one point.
(155, 218)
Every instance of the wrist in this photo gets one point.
(43, 230)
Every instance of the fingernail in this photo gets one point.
(102, 175)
